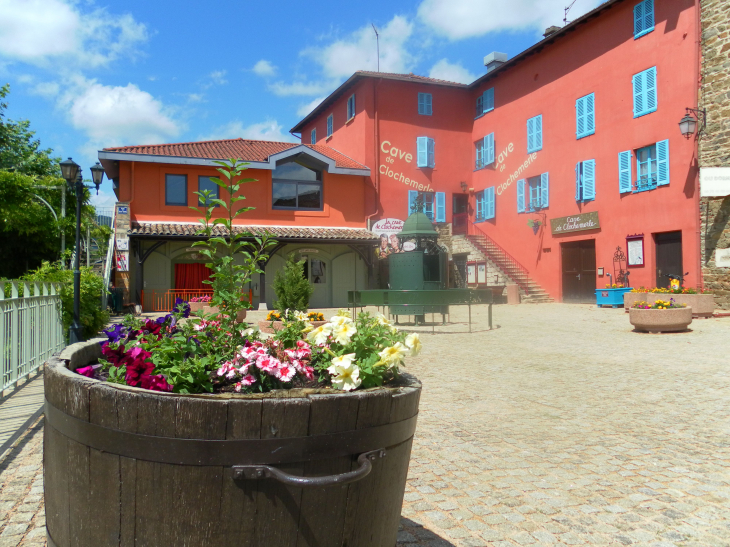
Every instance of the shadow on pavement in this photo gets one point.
(412, 534)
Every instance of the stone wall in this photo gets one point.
(714, 145)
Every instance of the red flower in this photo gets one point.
(115, 356)
(156, 383)
(139, 367)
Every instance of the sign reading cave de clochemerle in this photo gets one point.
(574, 223)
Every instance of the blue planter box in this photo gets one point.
(611, 297)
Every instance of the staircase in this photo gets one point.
(531, 292)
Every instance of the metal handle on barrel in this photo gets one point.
(255, 472)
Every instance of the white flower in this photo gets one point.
(343, 313)
(247, 332)
(413, 343)
(393, 355)
(382, 320)
(300, 315)
(319, 335)
(345, 373)
(339, 320)
(344, 333)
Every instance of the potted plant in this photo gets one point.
(277, 320)
(660, 316)
(701, 302)
(612, 295)
(197, 430)
(197, 303)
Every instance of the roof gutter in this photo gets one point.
(376, 138)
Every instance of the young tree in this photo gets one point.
(292, 289)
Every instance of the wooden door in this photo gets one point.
(668, 257)
(579, 271)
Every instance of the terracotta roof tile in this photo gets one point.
(152, 229)
(244, 149)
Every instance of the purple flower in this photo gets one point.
(116, 333)
(181, 307)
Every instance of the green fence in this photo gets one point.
(30, 328)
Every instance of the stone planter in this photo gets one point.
(196, 306)
(214, 309)
(671, 320)
(126, 466)
(269, 327)
(703, 305)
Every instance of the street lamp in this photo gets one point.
(71, 171)
(692, 117)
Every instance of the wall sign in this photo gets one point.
(481, 273)
(122, 262)
(471, 273)
(635, 250)
(714, 182)
(722, 258)
(122, 244)
(575, 223)
(122, 210)
(307, 251)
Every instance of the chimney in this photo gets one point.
(550, 30)
(494, 59)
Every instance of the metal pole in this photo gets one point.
(75, 333)
(63, 229)
(88, 246)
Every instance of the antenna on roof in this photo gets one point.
(377, 41)
(567, 9)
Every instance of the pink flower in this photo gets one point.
(309, 373)
(268, 364)
(244, 369)
(156, 383)
(285, 372)
(137, 370)
(248, 380)
(89, 371)
(238, 387)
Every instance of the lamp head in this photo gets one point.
(97, 175)
(69, 170)
(688, 125)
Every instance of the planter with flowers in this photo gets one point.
(198, 430)
(701, 302)
(660, 316)
(612, 295)
(276, 321)
(197, 303)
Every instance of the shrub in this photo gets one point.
(292, 289)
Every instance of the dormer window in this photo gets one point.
(296, 187)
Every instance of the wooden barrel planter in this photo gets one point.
(126, 466)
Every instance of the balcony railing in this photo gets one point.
(645, 183)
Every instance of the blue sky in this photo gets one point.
(90, 74)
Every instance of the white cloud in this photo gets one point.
(307, 108)
(302, 88)
(458, 19)
(104, 199)
(45, 31)
(270, 130)
(264, 68)
(358, 51)
(195, 97)
(444, 70)
(115, 115)
(217, 77)
(46, 89)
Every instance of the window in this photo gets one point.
(484, 151)
(534, 134)
(429, 203)
(425, 104)
(351, 107)
(485, 102)
(585, 116)
(296, 186)
(585, 181)
(532, 194)
(643, 18)
(485, 204)
(425, 152)
(652, 168)
(176, 189)
(645, 93)
(204, 183)
(313, 137)
(329, 125)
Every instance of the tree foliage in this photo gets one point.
(292, 289)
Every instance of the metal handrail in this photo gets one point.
(502, 258)
(109, 263)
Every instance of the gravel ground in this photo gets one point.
(559, 427)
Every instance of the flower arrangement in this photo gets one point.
(659, 305)
(665, 290)
(206, 298)
(612, 286)
(199, 355)
(273, 316)
(315, 316)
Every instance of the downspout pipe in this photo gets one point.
(376, 140)
(698, 72)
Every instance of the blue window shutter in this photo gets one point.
(431, 155)
(638, 81)
(412, 196)
(624, 171)
(480, 206)
(313, 137)
(480, 105)
(589, 180)
(538, 132)
(488, 153)
(662, 163)
(530, 135)
(580, 118)
(648, 16)
(643, 18)
(429, 104)
(590, 113)
(544, 190)
(488, 101)
(421, 103)
(329, 125)
(422, 152)
(638, 19)
(521, 196)
(440, 206)
(578, 185)
(650, 92)
(489, 203)
(479, 147)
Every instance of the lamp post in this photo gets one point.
(693, 117)
(72, 173)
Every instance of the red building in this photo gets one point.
(550, 162)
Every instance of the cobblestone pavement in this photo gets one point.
(561, 427)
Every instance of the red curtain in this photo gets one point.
(191, 276)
